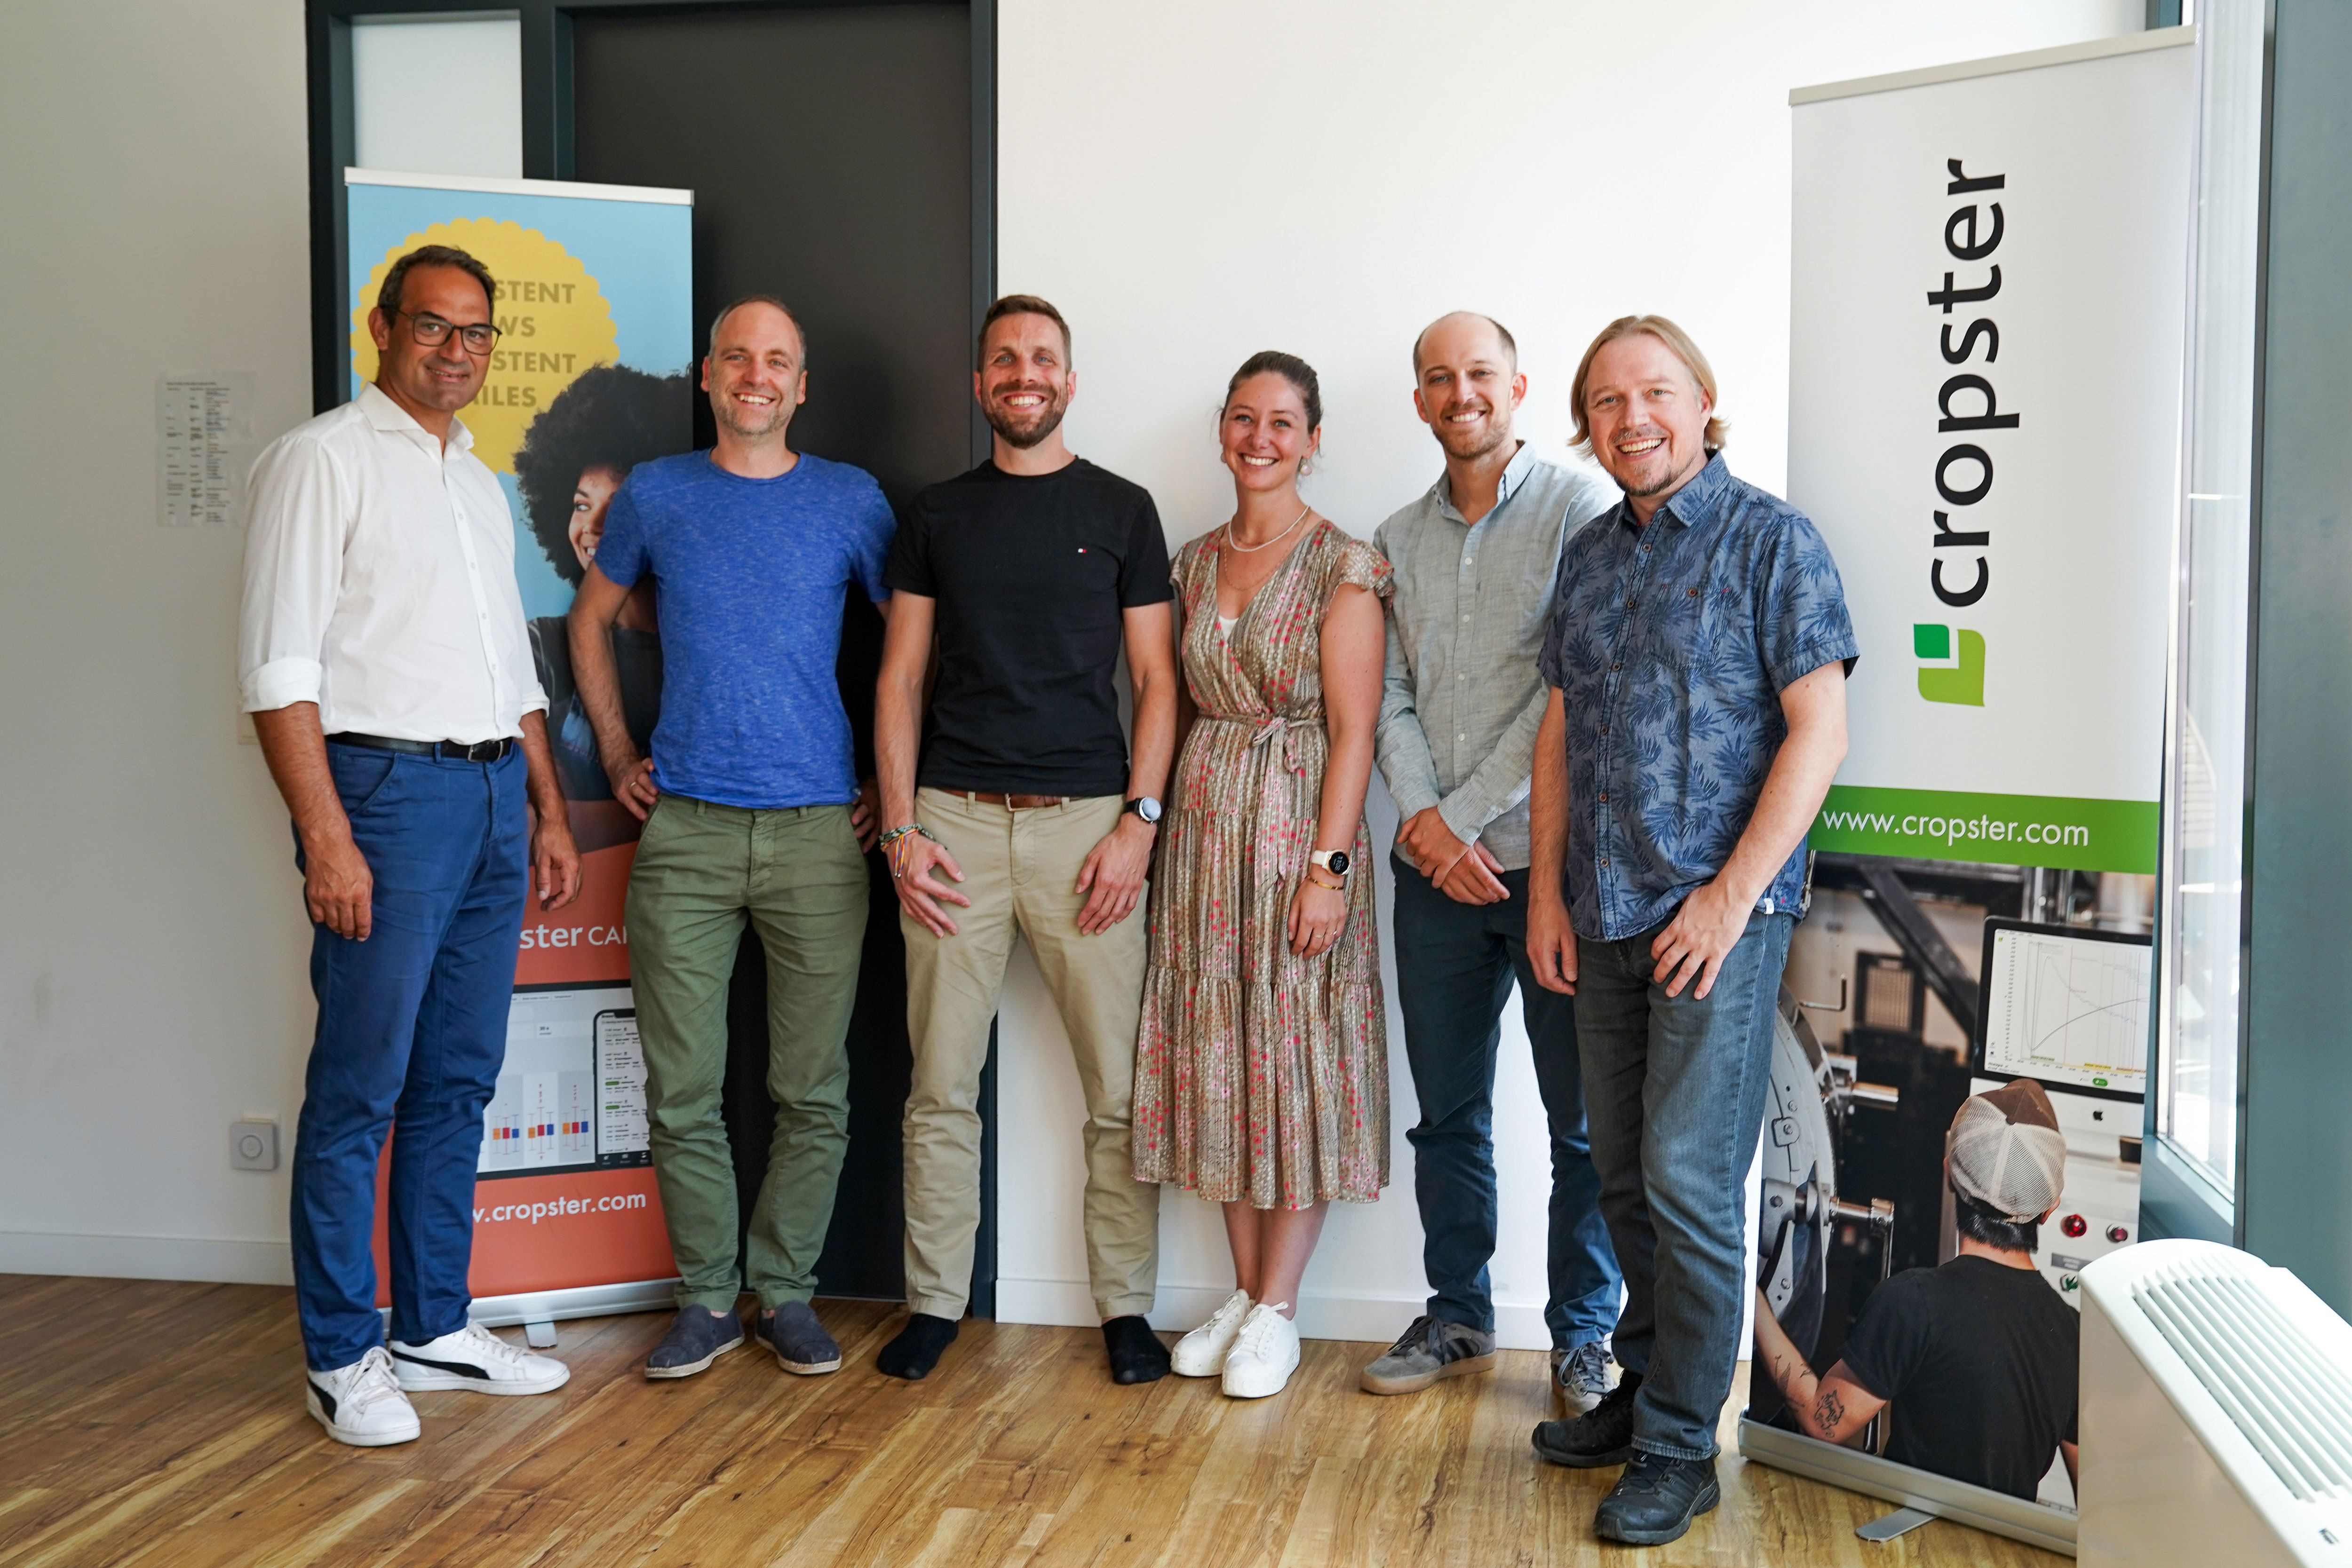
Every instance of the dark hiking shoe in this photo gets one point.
(698, 1336)
(1601, 1435)
(1655, 1500)
(1430, 1349)
(800, 1342)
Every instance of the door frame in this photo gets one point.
(547, 154)
(547, 138)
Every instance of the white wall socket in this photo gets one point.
(253, 1145)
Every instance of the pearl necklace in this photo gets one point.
(1245, 549)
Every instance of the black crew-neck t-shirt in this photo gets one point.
(1031, 574)
(1978, 1363)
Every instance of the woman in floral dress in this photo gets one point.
(1261, 1077)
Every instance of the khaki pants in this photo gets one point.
(1020, 870)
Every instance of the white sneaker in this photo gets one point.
(1202, 1353)
(1264, 1354)
(361, 1403)
(478, 1359)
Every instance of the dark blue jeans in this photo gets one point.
(412, 1030)
(1676, 1090)
(1455, 963)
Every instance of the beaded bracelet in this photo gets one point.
(890, 841)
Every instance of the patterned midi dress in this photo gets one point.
(1259, 1074)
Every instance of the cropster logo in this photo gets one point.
(1952, 658)
(1940, 682)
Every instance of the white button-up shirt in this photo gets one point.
(379, 584)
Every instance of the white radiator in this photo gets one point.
(2216, 1413)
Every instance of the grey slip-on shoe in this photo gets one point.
(697, 1337)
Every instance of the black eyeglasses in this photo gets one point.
(431, 332)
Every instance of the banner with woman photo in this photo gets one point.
(592, 375)
(1988, 291)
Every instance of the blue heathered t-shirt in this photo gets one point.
(751, 574)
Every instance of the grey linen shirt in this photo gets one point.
(1462, 697)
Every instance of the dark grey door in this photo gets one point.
(830, 153)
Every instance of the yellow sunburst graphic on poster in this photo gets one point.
(553, 323)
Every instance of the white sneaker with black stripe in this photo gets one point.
(478, 1359)
(361, 1403)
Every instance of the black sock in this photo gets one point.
(1136, 1354)
(917, 1349)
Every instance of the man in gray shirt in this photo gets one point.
(1475, 561)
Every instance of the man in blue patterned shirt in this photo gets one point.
(1697, 658)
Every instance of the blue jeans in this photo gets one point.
(1455, 963)
(1676, 1090)
(412, 1030)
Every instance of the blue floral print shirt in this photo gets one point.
(1670, 646)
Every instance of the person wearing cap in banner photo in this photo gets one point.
(1975, 1359)
(383, 654)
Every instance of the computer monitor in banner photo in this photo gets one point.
(592, 374)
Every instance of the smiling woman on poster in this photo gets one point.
(575, 457)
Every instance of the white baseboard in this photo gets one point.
(214, 1258)
(1363, 1319)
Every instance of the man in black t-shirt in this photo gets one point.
(1032, 573)
(1978, 1357)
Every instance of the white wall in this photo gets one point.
(1192, 183)
(152, 939)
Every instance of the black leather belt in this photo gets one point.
(446, 751)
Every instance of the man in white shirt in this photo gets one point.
(383, 654)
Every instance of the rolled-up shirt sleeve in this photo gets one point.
(300, 507)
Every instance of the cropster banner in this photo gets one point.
(592, 375)
(1988, 284)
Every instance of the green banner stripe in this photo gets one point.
(1997, 830)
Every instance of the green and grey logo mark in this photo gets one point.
(1963, 682)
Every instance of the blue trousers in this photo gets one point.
(412, 1030)
(1455, 963)
(1675, 1089)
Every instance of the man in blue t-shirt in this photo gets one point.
(753, 812)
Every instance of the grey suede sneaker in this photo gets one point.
(1579, 1378)
(800, 1342)
(1430, 1349)
(698, 1336)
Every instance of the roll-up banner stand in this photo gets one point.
(1988, 279)
(591, 376)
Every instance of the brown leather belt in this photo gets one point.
(1011, 802)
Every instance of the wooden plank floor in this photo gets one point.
(162, 1425)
